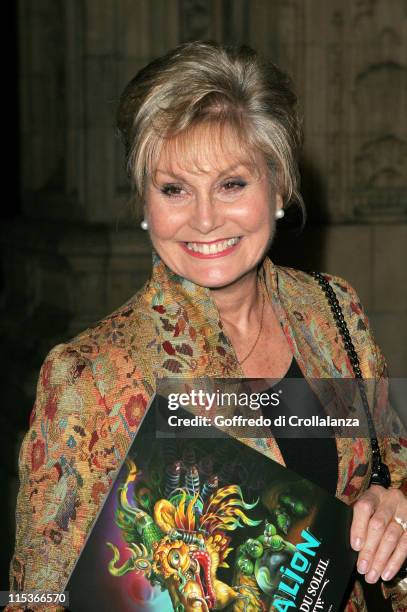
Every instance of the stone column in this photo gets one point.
(348, 61)
(77, 250)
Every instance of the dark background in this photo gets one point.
(70, 243)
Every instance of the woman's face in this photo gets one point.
(211, 222)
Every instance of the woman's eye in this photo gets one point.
(234, 185)
(171, 190)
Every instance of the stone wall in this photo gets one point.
(83, 253)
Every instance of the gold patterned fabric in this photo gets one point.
(93, 391)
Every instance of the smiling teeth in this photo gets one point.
(213, 247)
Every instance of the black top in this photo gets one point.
(314, 458)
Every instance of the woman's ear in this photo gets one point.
(144, 208)
(144, 222)
(279, 202)
(279, 212)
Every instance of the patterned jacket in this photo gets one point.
(94, 389)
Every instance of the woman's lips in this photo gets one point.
(210, 250)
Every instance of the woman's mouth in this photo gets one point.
(216, 248)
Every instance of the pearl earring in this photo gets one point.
(280, 213)
(144, 224)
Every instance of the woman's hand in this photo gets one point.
(375, 532)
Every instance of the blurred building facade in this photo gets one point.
(76, 252)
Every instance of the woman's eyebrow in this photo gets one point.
(223, 173)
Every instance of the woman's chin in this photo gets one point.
(215, 279)
(213, 274)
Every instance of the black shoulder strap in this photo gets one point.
(380, 471)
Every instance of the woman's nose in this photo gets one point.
(206, 215)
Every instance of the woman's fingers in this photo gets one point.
(377, 535)
(377, 527)
(387, 546)
(397, 559)
(363, 509)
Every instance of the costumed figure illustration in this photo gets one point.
(177, 527)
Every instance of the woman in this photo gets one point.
(212, 138)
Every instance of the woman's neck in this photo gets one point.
(239, 304)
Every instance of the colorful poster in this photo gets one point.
(198, 524)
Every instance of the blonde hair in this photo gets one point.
(204, 82)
